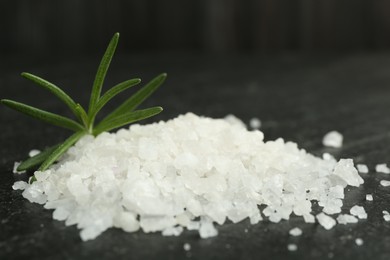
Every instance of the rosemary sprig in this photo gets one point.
(85, 120)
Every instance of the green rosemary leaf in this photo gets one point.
(61, 149)
(112, 93)
(43, 115)
(101, 73)
(36, 160)
(82, 115)
(135, 100)
(125, 119)
(53, 89)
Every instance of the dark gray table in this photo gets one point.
(299, 98)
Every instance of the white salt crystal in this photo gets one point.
(386, 215)
(328, 157)
(346, 219)
(172, 231)
(362, 168)
(295, 232)
(255, 123)
(326, 221)
(333, 139)
(207, 229)
(369, 197)
(359, 241)
(164, 177)
(347, 172)
(385, 183)
(187, 247)
(34, 152)
(292, 247)
(382, 168)
(14, 170)
(358, 211)
(19, 185)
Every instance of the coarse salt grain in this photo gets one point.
(189, 172)
(187, 246)
(382, 168)
(385, 183)
(295, 232)
(386, 215)
(358, 211)
(292, 247)
(369, 197)
(362, 168)
(255, 123)
(359, 241)
(20, 185)
(14, 170)
(326, 221)
(34, 152)
(346, 219)
(333, 139)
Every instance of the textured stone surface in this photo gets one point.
(298, 98)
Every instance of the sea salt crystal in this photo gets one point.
(172, 231)
(207, 229)
(385, 183)
(34, 152)
(292, 247)
(369, 197)
(358, 211)
(362, 168)
(20, 185)
(295, 232)
(346, 219)
(382, 168)
(189, 173)
(333, 139)
(187, 247)
(326, 221)
(14, 170)
(328, 157)
(386, 215)
(255, 123)
(359, 241)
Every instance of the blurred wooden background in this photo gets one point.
(77, 26)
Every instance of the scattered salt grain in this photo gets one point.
(386, 215)
(172, 231)
(333, 139)
(295, 232)
(34, 152)
(19, 185)
(359, 241)
(382, 167)
(346, 219)
(189, 172)
(14, 170)
(326, 221)
(385, 183)
(187, 247)
(292, 247)
(362, 168)
(207, 229)
(358, 211)
(255, 123)
(369, 197)
(328, 157)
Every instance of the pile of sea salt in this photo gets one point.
(189, 173)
